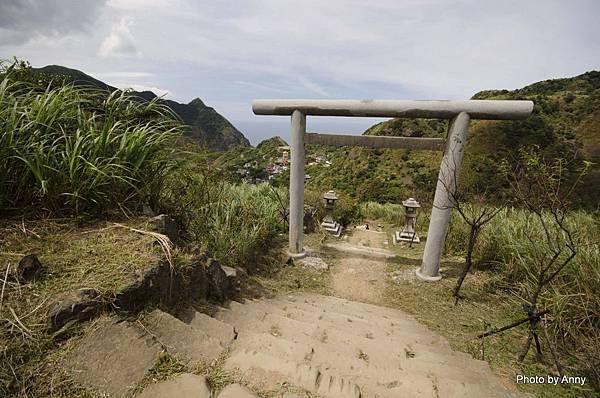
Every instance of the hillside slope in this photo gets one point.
(205, 125)
(566, 119)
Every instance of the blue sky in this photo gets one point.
(231, 52)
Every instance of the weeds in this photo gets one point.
(71, 150)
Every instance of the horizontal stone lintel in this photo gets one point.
(477, 109)
(372, 141)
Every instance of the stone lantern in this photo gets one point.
(408, 233)
(328, 224)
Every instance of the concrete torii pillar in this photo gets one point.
(296, 235)
(442, 201)
(459, 113)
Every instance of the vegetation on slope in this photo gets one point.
(70, 149)
(565, 121)
(201, 123)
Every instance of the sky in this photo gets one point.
(229, 53)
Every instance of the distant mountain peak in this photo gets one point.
(205, 124)
(197, 102)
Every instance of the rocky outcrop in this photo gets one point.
(78, 305)
(203, 279)
(164, 224)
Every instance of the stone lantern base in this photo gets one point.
(333, 227)
(405, 237)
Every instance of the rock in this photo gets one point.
(29, 268)
(236, 391)
(219, 286)
(185, 385)
(77, 305)
(153, 285)
(147, 211)
(313, 261)
(163, 224)
(235, 283)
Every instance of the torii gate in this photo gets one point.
(459, 113)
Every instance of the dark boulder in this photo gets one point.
(163, 224)
(29, 268)
(218, 281)
(78, 305)
(309, 220)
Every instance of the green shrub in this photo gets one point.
(511, 241)
(347, 210)
(74, 150)
(390, 212)
(238, 224)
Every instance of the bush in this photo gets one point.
(347, 210)
(573, 298)
(236, 223)
(74, 150)
(390, 212)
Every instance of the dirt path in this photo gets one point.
(361, 278)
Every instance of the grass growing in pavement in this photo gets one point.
(296, 278)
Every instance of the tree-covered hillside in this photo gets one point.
(565, 120)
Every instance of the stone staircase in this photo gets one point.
(340, 348)
(324, 345)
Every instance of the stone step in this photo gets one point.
(271, 369)
(373, 328)
(370, 359)
(185, 385)
(113, 358)
(310, 314)
(265, 371)
(344, 338)
(381, 352)
(236, 391)
(188, 344)
(341, 304)
(213, 327)
(361, 251)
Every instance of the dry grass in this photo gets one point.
(485, 306)
(103, 256)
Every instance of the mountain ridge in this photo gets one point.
(565, 122)
(204, 124)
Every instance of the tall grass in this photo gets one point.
(238, 224)
(390, 212)
(71, 149)
(573, 297)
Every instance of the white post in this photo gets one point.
(442, 201)
(296, 233)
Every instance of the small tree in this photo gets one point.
(469, 200)
(476, 214)
(543, 187)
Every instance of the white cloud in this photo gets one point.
(313, 87)
(122, 75)
(135, 5)
(120, 41)
(229, 53)
(21, 21)
(141, 87)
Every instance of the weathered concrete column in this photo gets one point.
(442, 201)
(296, 234)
